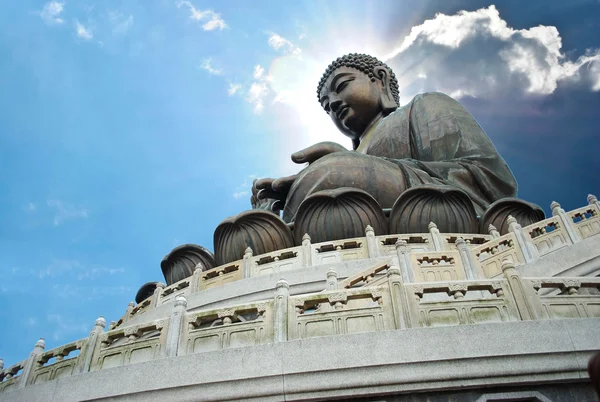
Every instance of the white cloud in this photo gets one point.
(83, 32)
(233, 88)
(256, 95)
(477, 53)
(207, 65)
(240, 194)
(64, 212)
(212, 20)
(121, 24)
(31, 321)
(278, 42)
(51, 12)
(77, 269)
(258, 72)
(243, 190)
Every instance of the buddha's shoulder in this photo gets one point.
(434, 105)
(428, 99)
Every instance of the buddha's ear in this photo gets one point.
(388, 103)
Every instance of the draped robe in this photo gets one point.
(431, 140)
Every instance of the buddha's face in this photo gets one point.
(351, 99)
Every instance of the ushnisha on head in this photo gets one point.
(357, 90)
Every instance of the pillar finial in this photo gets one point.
(100, 322)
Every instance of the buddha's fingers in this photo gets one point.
(261, 184)
(283, 184)
(317, 151)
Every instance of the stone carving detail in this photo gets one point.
(537, 285)
(183, 260)
(497, 214)
(260, 230)
(337, 297)
(454, 287)
(338, 214)
(418, 290)
(572, 283)
(449, 207)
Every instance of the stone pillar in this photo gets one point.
(371, 242)
(196, 284)
(130, 308)
(528, 248)
(332, 279)
(1, 364)
(493, 231)
(247, 263)
(175, 324)
(467, 258)
(89, 347)
(566, 221)
(280, 324)
(593, 200)
(438, 244)
(400, 302)
(404, 261)
(156, 295)
(306, 251)
(31, 363)
(527, 307)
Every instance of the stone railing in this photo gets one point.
(416, 280)
(428, 253)
(377, 299)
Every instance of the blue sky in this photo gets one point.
(128, 128)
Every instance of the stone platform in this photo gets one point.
(376, 317)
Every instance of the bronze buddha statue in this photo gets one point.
(428, 160)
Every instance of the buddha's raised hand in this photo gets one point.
(317, 151)
(275, 191)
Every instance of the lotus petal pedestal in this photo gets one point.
(262, 231)
(448, 207)
(338, 214)
(497, 213)
(182, 261)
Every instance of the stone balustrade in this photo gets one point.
(409, 281)
(521, 245)
(372, 301)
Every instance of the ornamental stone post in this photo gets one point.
(247, 264)
(466, 257)
(332, 279)
(435, 237)
(157, 293)
(128, 312)
(306, 251)
(89, 347)
(566, 221)
(195, 286)
(527, 247)
(371, 242)
(31, 363)
(593, 200)
(528, 308)
(175, 324)
(280, 316)
(403, 258)
(400, 303)
(493, 231)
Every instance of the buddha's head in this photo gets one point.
(355, 90)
